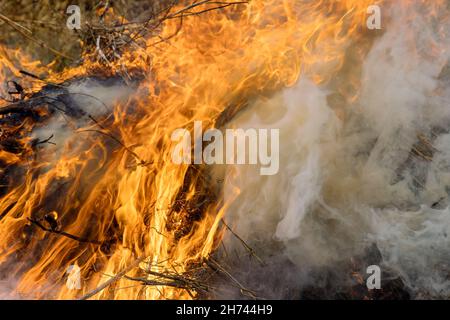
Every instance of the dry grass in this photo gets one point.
(46, 19)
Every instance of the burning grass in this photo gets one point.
(86, 177)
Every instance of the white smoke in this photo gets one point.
(346, 184)
(7, 291)
(81, 99)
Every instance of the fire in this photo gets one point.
(130, 201)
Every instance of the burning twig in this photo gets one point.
(181, 280)
(48, 140)
(105, 132)
(54, 229)
(109, 41)
(15, 108)
(31, 75)
(113, 279)
(184, 12)
(175, 281)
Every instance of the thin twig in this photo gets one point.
(112, 280)
(28, 34)
(48, 140)
(217, 267)
(68, 235)
(105, 132)
(246, 246)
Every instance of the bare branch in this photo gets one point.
(68, 235)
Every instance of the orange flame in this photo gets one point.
(156, 209)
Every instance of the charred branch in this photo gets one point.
(54, 229)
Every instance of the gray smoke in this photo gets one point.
(381, 177)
